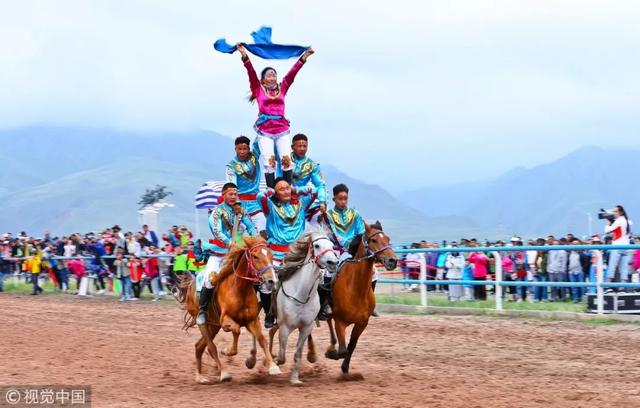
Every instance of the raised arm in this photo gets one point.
(254, 82)
(291, 75)
(231, 175)
(249, 225)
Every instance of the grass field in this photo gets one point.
(438, 299)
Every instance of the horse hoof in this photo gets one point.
(250, 362)
(332, 355)
(295, 381)
(312, 358)
(275, 370)
(225, 376)
(200, 379)
(228, 353)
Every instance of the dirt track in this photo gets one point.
(137, 355)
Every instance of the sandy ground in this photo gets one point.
(136, 354)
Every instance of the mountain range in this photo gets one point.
(74, 179)
(557, 197)
(68, 179)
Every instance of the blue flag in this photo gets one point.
(263, 47)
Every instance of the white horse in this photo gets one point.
(298, 302)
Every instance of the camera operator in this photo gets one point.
(618, 258)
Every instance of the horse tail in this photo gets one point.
(186, 295)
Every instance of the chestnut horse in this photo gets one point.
(234, 304)
(353, 299)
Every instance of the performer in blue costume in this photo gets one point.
(244, 171)
(345, 224)
(306, 172)
(285, 209)
(221, 221)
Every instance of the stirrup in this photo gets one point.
(201, 319)
(269, 321)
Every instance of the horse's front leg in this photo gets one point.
(353, 341)
(250, 362)
(331, 350)
(302, 337)
(201, 345)
(283, 336)
(209, 333)
(272, 333)
(232, 350)
(311, 354)
(340, 334)
(256, 330)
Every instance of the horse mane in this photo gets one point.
(354, 244)
(296, 256)
(230, 260)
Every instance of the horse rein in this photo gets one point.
(251, 268)
(315, 259)
(369, 252)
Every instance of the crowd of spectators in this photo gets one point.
(519, 265)
(118, 262)
(126, 263)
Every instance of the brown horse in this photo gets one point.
(353, 299)
(234, 305)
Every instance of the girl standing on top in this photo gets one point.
(272, 127)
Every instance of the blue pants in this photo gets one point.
(155, 286)
(558, 293)
(540, 292)
(34, 282)
(618, 260)
(522, 290)
(126, 292)
(576, 292)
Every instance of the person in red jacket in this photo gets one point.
(480, 264)
(135, 272)
(153, 273)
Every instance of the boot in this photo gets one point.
(270, 179)
(269, 318)
(288, 175)
(375, 312)
(325, 302)
(205, 298)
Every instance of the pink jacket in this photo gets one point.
(271, 105)
(507, 264)
(636, 260)
(480, 263)
(76, 266)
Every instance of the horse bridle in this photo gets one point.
(368, 251)
(315, 259)
(257, 273)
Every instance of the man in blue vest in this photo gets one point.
(345, 224)
(306, 172)
(221, 222)
(244, 171)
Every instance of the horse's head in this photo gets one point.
(259, 259)
(378, 245)
(323, 254)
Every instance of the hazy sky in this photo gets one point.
(400, 93)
